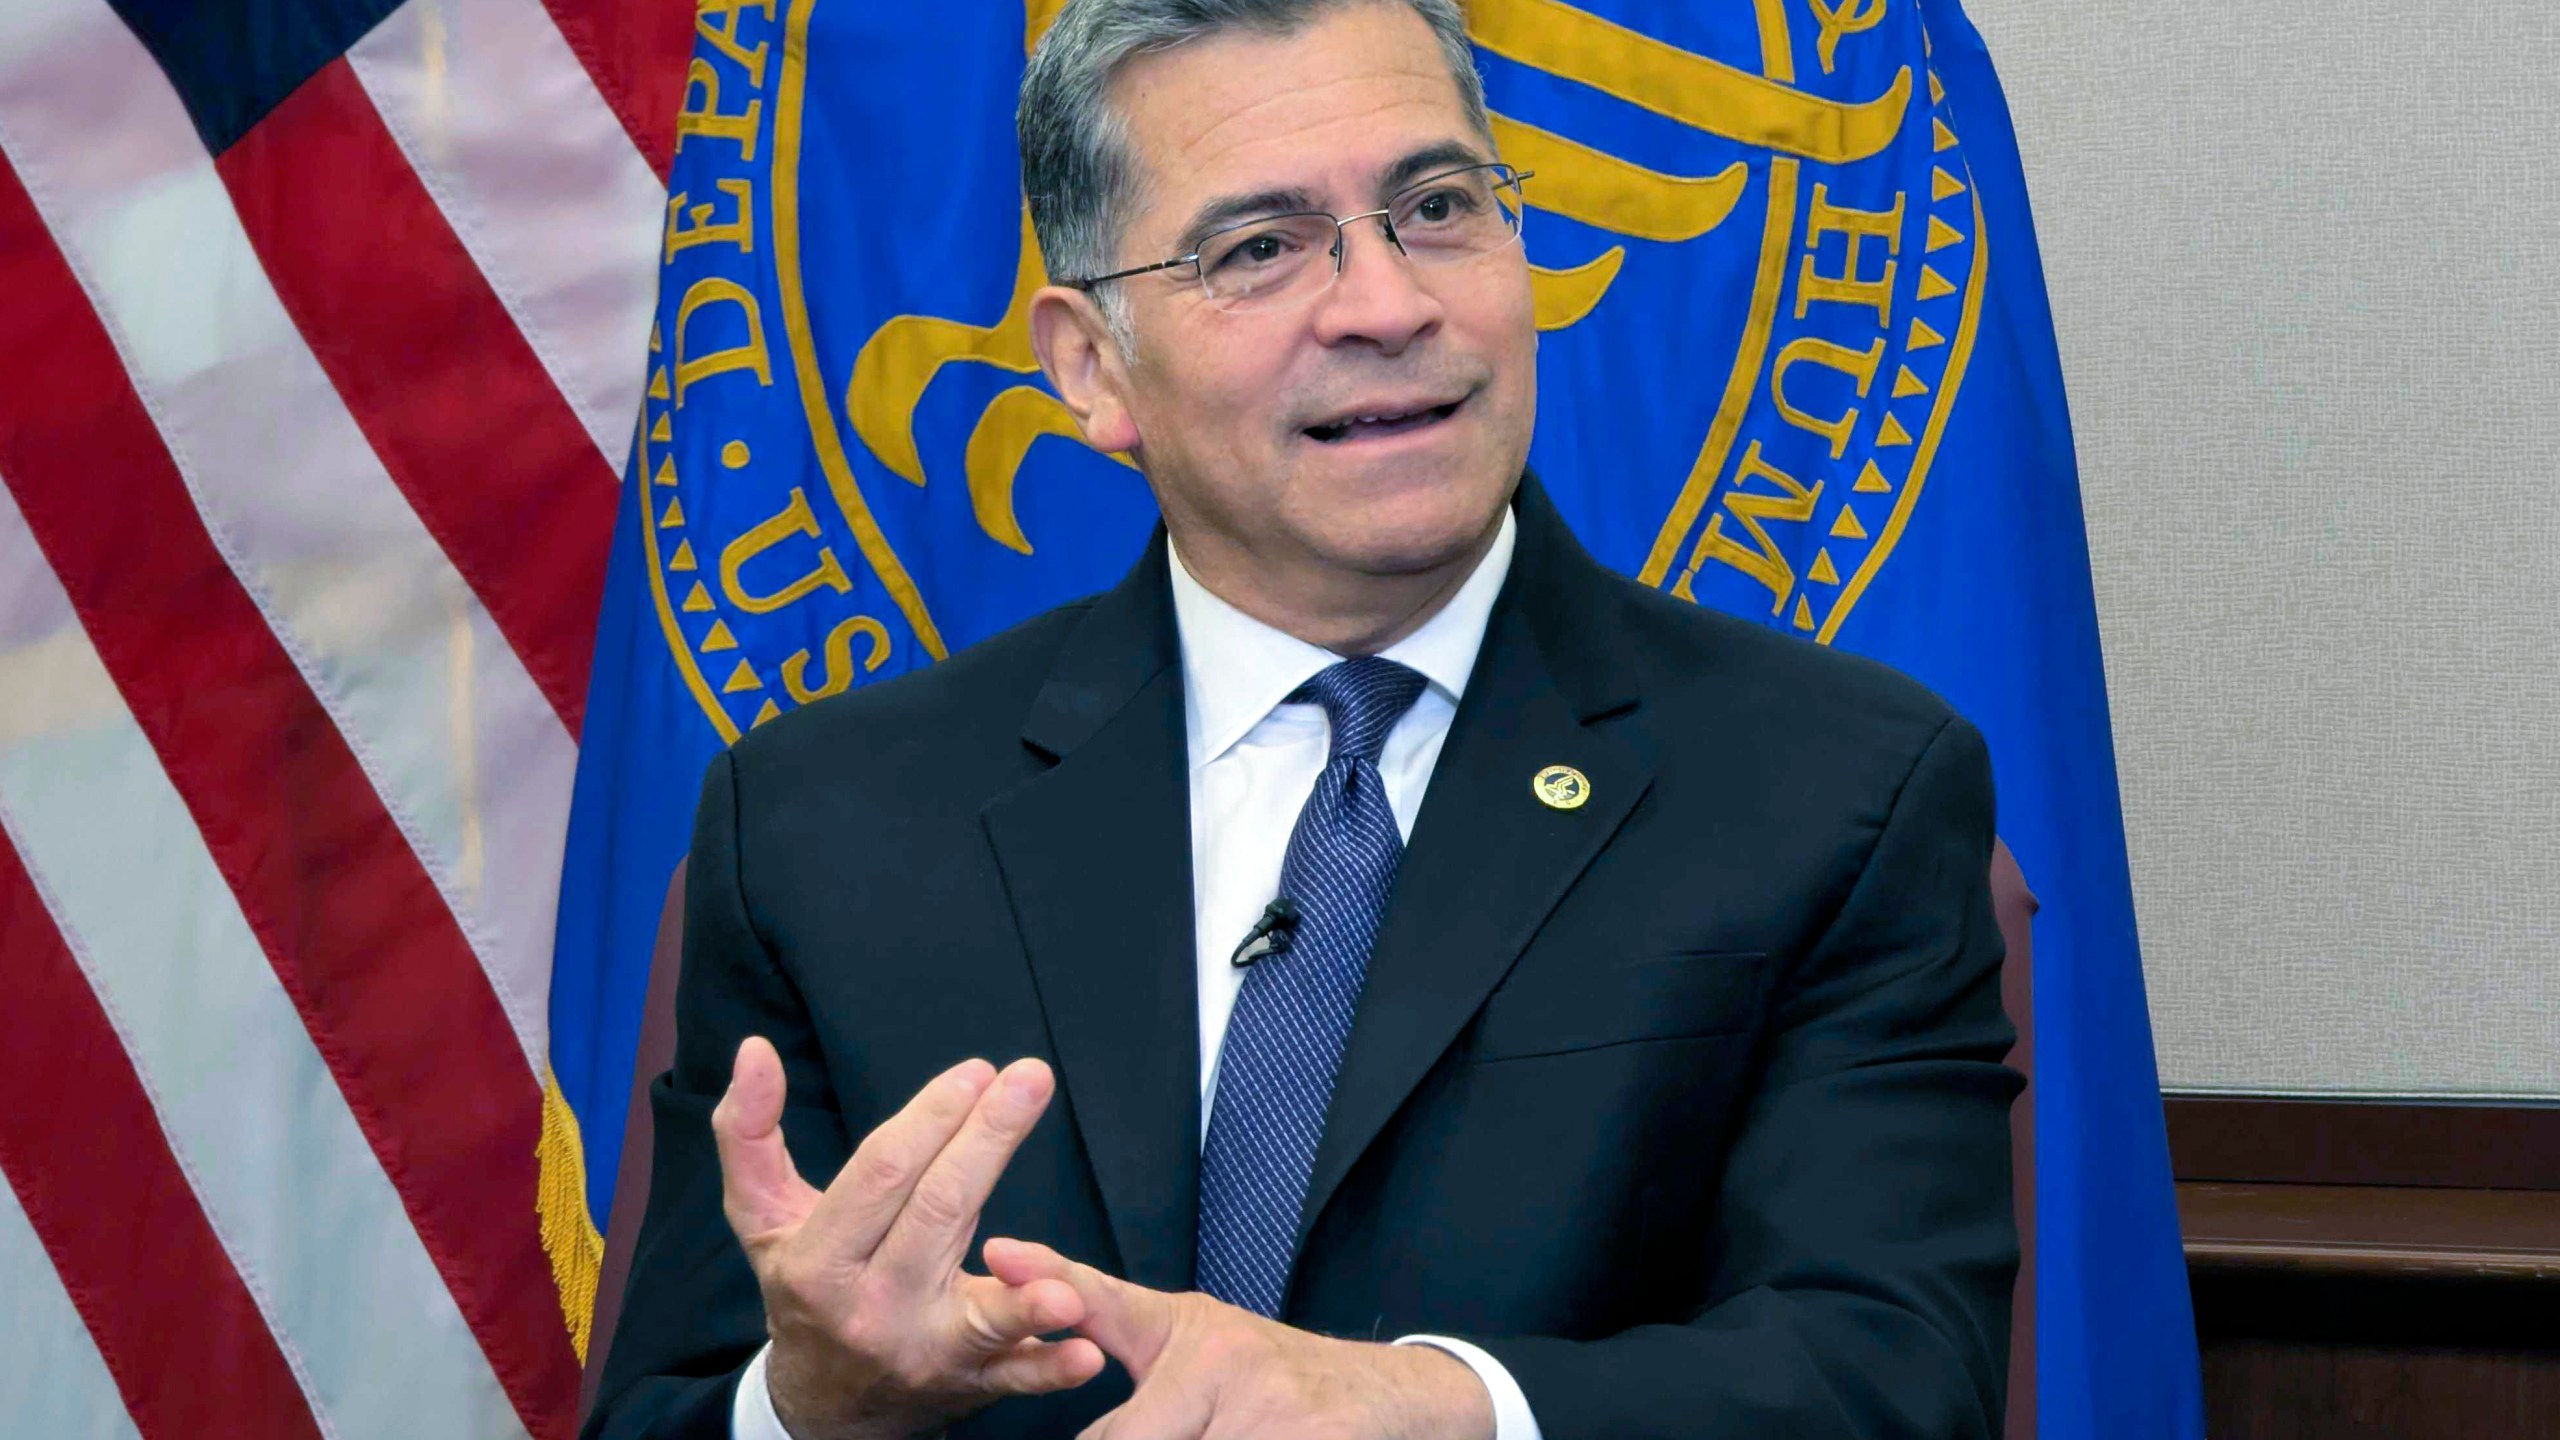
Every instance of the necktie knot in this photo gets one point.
(1363, 699)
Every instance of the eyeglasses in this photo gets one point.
(1276, 260)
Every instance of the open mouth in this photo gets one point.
(1373, 427)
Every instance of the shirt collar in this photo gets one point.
(1236, 670)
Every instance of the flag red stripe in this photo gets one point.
(635, 51)
(454, 401)
(395, 1000)
(83, 1148)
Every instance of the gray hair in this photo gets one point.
(1076, 166)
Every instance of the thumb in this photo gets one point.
(1130, 1322)
(759, 1186)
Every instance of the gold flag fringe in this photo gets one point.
(568, 1233)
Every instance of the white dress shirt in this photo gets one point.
(1253, 762)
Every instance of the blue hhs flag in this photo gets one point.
(1797, 365)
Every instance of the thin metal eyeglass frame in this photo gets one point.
(1508, 178)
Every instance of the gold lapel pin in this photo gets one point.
(1561, 787)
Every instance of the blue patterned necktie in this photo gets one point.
(1284, 1041)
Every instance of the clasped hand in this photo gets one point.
(879, 1334)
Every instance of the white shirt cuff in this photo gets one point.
(751, 1417)
(1511, 1417)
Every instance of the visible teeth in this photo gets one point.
(1336, 429)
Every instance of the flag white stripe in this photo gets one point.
(287, 1181)
(52, 1380)
(539, 180)
(462, 748)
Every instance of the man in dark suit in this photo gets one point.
(1483, 997)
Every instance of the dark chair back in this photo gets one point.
(2015, 904)
(639, 1133)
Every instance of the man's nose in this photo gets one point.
(1378, 298)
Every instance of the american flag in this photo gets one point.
(321, 330)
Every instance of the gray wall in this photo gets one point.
(2305, 263)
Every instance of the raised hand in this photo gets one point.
(1209, 1371)
(877, 1331)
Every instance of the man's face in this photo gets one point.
(1239, 417)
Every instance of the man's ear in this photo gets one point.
(1084, 365)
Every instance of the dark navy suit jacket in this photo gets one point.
(1686, 1104)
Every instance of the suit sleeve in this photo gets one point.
(692, 1316)
(1864, 1237)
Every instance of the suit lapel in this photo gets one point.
(1096, 857)
(1488, 859)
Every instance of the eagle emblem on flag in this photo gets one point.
(843, 437)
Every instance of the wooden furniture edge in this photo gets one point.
(2455, 1145)
(2372, 1231)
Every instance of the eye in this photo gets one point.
(1258, 250)
(1441, 207)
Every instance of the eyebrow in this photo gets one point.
(1228, 210)
(1428, 161)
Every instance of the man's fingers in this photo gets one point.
(994, 1317)
(932, 1231)
(1131, 1322)
(1037, 1367)
(1019, 1262)
(759, 1186)
(873, 1186)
